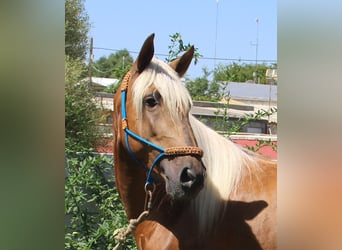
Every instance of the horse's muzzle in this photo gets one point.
(191, 181)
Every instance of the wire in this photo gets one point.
(205, 58)
(100, 71)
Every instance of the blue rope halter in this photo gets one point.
(172, 151)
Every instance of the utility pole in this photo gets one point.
(217, 5)
(256, 44)
(90, 61)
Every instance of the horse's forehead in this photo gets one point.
(143, 88)
(151, 88)
(149, 83)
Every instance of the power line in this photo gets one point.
(204, 57)
(130, 51)
(238, 59)
(100, 71)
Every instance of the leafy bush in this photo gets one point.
(81, 112)
(93, 210)
(92, 206)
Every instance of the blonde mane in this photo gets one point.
(225, 162)
(174, 94)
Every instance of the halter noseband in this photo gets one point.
(172, 151)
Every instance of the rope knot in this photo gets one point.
(124, 123)
(124, 232)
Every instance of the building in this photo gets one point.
(100, 83)
(245, 99)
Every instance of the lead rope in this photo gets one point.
(124, 232)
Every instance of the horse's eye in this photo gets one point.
(151, 102)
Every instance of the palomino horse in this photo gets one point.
(204, 191)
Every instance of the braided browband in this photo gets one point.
(186, 150)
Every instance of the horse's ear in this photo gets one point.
(181, 65)
(145, 54)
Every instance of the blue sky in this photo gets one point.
(126, 24)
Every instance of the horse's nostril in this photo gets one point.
(187, 177)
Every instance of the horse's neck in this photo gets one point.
(257, 180)
(130, 181)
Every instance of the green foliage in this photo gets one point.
(198, 88)
(229, 127)
(222, 123)
(241, 72)
(112, 88)
(237, 126)
(81, 111)
(76, 29)
(92, 205)
(201, 89)
(214, 90)
(263, 143)
(93, 209)
(74, 70)
(115, 66)
(177, 46)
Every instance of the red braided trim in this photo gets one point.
(186, 150)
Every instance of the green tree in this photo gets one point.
(76, 29)
(198, 88)
(115, 66)
(81, 111)
(241, 72)
(202, 89)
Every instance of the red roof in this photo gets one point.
(265, 150)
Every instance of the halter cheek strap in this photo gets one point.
(172, 151)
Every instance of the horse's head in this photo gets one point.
(156, 126)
